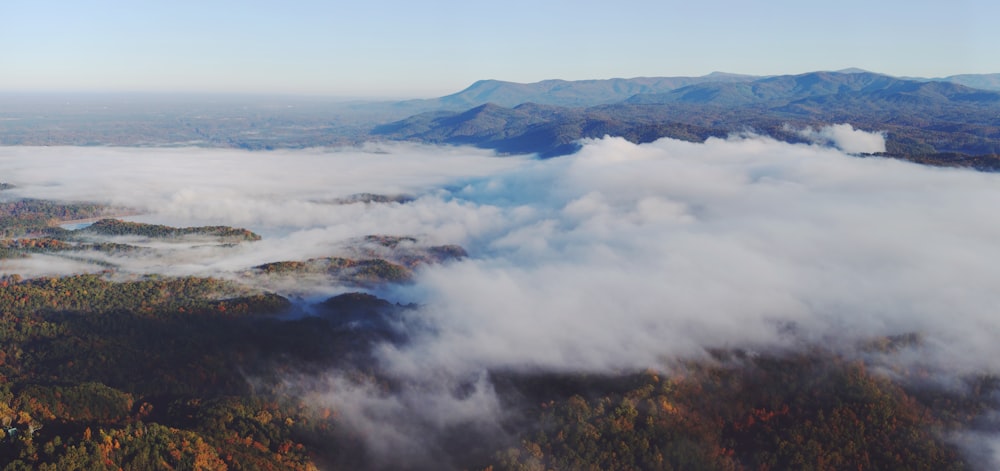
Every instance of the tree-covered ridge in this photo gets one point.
(369, 198)
(201, 373)
(176, 371)
(30, 226)
(929, 122)
(92, 293)
(788, 411)
(90, 369)
(407, 251)
(116, 227)
(388, 240)
(373, 259)
(23, 247)
(87, 328)
(369, 260)
(356, 272)
(14, 248)
(33, 215)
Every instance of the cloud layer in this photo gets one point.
(613, 257)
(290, 197)
(845, 138)
(624, 254)
(621, 256)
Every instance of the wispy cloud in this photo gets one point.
(845, 138)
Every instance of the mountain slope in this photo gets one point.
(564, 92)
(919, 118)
(531, 128)
(785, 89)
(980, 81)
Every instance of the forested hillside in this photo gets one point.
(192, 373)
(938, 123)
(950, 121)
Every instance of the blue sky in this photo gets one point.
(411, 48)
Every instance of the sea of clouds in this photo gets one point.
(619, 257)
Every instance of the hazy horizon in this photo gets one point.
(171, 95)
(396, 49)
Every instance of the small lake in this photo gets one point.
(76, 225)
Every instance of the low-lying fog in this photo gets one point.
(620, 256)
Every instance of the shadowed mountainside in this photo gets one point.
(922, 121)
(921, 116)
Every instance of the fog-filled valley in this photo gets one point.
(740, 302)
(519, 236)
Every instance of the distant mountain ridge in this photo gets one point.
(956, 115)
(532, 128)
(981, 81)
(786, 89)
(566, 92)
(920, 118)
(584, 93)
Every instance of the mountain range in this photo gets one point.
(953, 120)
(937, 121)
(565, 92)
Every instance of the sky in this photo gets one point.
(397, 48)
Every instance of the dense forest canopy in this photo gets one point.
(188, 373)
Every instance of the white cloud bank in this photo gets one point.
(626, 253)
(613, 257)
(287, 196)
(845, 138)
